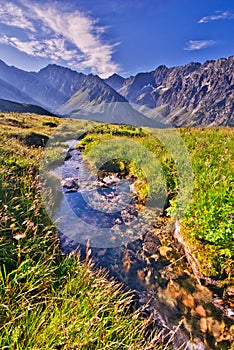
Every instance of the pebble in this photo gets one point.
(201, 311)
(111, 179)
(230, 312)
(164, 250)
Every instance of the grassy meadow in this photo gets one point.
(49, 301)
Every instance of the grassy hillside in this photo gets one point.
(10, 106)
(49, 301)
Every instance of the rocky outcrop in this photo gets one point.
(194, 94)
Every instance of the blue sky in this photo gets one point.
(107, 36)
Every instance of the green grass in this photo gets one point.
(47, 300)
(137, 153)
(209, 220)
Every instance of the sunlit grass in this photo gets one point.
(47, 300)
(209, 221)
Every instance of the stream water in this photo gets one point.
(190, 315)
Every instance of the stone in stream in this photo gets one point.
(110, 179)
(99, 184)
(70, 183)
(71, 190)
(151, 243)
(68, 156)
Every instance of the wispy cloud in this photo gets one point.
(53, 48)
(199, 44)
(12, 15)
(60, 34)
(217, 16)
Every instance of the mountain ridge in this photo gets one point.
(190, 95)
(201, 94)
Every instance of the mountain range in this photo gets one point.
(190, 95)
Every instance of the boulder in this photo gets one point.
(70, 183)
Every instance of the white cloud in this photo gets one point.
(53, 48)
(217, 16)
(68, 35)
(12, 15)
(82, 32)
(199, 44)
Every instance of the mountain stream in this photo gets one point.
(190, 314)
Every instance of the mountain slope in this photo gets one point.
(63, 82)
(10, 106)
(193, 94)
(7, 91)
(89, 97)
(97, 101)
(62, 90)
(92, 91)
(33, 85)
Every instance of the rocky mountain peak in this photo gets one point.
(193, 94)
(115, 81)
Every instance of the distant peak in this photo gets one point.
(162, 66)
(52, 66)
(194, 64)
(115, 81)
(115, 75)
(56, 67)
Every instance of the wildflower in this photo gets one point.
(19, 236)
